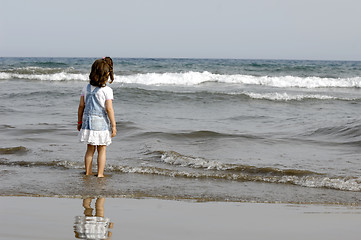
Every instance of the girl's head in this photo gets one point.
(101, 70)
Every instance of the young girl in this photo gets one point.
(96, 121)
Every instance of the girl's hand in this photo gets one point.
(114, 131)
(80, 112)
(110, 112)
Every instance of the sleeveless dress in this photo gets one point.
(96, 128)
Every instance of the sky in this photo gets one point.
(242, 29)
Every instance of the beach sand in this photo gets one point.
(54, 218)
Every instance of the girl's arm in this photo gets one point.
(110, 112)
(80, 112)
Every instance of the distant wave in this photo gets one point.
(196, 78)
(62, 76)
(192, 78)
(293, 97)
(187, 78)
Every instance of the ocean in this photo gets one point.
(198, 129)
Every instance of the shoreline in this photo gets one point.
(136, 218)
(182, 199)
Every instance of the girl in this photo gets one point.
(96, 121)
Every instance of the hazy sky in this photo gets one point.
(261, 29)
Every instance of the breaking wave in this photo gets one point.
(237, 172)
(199, 168)
(189, 78)
(196, 78)
(294, 97)
(61, 76)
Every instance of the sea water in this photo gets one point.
(203, 129)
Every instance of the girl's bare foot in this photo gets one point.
(88, 173)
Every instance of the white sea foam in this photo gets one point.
(312, 181)
(62, 76)
(186, 161)
(345, 184)
(289, 97)
(196, 78)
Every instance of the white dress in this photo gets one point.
(96, 129)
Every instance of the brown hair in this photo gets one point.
(100, 70)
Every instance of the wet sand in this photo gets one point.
(54, 218)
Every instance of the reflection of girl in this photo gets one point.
(92, 227)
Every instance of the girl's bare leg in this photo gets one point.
(101, 159)
(89, 159)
